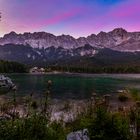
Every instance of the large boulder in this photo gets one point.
(78, 135)
(6, 84)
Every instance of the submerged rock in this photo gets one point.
(78, 135)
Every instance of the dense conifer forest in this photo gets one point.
(12, 67)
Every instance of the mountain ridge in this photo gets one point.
(117, 39)
(116, 47)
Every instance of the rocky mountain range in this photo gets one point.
(118, 39)
(39, 48)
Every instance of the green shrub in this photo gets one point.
(135, 94)
(105, 125)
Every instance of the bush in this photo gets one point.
(35, 127)
(134, 94)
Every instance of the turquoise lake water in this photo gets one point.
(74, 86)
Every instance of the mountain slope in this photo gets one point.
(82, 56)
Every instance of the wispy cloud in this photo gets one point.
(77, 17)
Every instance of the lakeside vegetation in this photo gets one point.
(12, 67)
(15, 67)
(31, 119)
(97, 69)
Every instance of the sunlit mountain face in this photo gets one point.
(73, 17)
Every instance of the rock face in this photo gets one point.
(79, 135)
(41, 48)
(118, 39)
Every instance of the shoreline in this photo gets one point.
(59, 72)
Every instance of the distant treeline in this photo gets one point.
(12, 67)
(98, 69)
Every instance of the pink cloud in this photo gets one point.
(61, 17)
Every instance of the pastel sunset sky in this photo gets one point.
(74, 17)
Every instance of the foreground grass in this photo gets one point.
(32, 128)
(100, 123)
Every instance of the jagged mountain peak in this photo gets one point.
(101, 33)
(112, 39)
(118, 30)
(11, 34)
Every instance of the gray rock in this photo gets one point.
(6, 82)
(78, 135)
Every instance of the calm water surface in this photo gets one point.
(74, 86)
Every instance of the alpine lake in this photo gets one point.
(73, 86)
